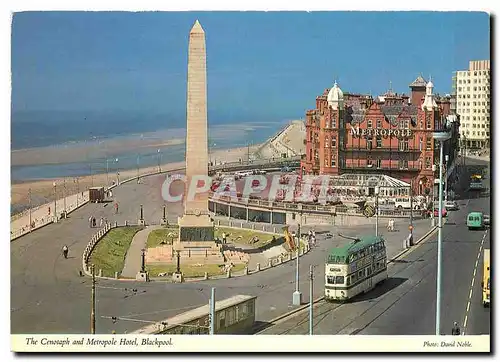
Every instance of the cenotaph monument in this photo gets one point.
(196, 229)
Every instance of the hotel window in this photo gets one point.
(369, 124)
(326, 162)
(403, 144)
(333, 161)
(420, 164)
(379, 163)
(334, 141)
(334, 123)
(420, 144)
(379, 123)
(369, 161)
(379, 142)
(428, 163)
(428, 121)
(428, 143)
(403, 163)
(327, 142)
(369, 143)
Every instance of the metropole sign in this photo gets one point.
(382, 132)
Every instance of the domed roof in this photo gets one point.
(335, 96)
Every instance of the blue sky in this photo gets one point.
(259, 64)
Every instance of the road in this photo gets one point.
(406, 303)
(49, 296)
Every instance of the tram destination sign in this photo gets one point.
(382, 132)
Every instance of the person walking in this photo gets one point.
(455, 331)
(65, 251)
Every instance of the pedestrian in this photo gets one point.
(65, 252)
(94, 224)
(409, 240)
(90, 221)
(116, 208)
(455, 331)
(223, 238)
(101, 221)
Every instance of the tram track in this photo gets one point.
(320, 302)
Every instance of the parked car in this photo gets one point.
(451, 205)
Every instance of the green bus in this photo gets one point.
(355, 268)
(475, 220)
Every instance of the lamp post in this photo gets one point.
(297, 295)
(441, 137)
(411, 213)
(433, 222)
(64, 196)
(117, 172)
(29, 201)
(138, 160)
(143, 260)
(446, 157)
(55, 201)
(377, 191)
(107, 173)
(159, 155)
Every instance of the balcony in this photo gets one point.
(374, 168)
(380, 149)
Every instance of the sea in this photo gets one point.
(96, 142)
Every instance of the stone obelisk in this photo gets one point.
(196, 230)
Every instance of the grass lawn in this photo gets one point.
(155, 237)
(244, 236)
(192, 271)
(109, 253)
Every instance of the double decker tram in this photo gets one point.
(355, 268)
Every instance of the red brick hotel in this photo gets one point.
(389, 134)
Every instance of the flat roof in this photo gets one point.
(182, 318)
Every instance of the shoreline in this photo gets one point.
(42, 190)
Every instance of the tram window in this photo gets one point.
(348, 281)
(361, 274)
(222, 319)
(339, 279)
(369, 271)
(330, 279)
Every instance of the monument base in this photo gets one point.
(142, 277)
(196, 240)
(141, 222)
(177, 277)
(164, 222)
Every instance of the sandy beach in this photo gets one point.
(42, 191)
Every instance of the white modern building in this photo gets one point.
(472, 90)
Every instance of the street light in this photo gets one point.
(159, 154)
(446, 157)
(55, 201)
(441, 137)
(433, 187)
(117, 172)
(297, 295)
(377, 191)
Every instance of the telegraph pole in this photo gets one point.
(311, 277)
(212, 312)
(92, 313)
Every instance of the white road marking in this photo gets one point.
(472, 282)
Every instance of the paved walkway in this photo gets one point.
(133, 258)
(41, 215)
